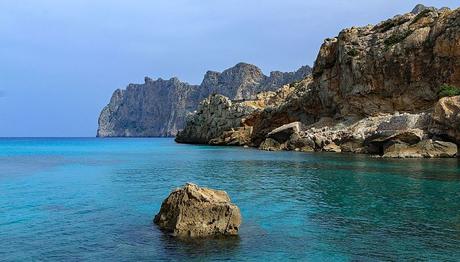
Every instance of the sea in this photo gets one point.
(93, 199)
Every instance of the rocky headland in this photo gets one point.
(390, 89)
(159, 107)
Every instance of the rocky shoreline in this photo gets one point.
(389, 90)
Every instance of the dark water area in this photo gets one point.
(94, 200)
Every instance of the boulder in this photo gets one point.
(270, 145)
(446, 118)
(298, 143)
(332, 147)
(377, 142)
(411, 136)
(193, 211)
(353, 146)
(425, 148)
(235, 137)
(284, 132)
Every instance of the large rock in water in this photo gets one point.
(193, 211)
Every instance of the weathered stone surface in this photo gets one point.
(284, 132)
(446, 118)
(220, 121)
(270, 144)
(193, 211)
(420, 8)
(155, 108)
(425, 148)
(215, 116)
(332, 147)
(397, 65)
(159, 107)
(239, 136)
(362, 79)
(300, 143)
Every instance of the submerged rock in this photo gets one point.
(193, 211)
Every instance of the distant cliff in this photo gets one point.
(159, 107)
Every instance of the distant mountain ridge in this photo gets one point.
(159, 107)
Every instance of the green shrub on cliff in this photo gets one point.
(391, 23)
(396, 38)
(295, 83)
(448, 90)
(353, 52)
(420, 15)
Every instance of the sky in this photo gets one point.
(62, 60)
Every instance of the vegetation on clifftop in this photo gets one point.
(448, 90)
(397, 38)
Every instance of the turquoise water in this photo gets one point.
(94, 199)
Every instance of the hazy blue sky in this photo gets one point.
(61, 60)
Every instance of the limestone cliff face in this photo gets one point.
(245, 81)
(159, 107)
(373, 90)
(155, 108)
(215, 115)
(397, 65)
(218, 114)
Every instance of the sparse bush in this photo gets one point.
(420, 15)
(295, 83)
(353, 52)
(397, 38)
(390, 23)
(448, 90)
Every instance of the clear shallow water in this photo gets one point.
(94, 199)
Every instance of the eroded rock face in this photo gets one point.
(271, 144)
(215, 115)
(446, 118)
(373, 88)
(426, 148)
(155, 108)
(193, 211)
(159, 107)
(284, 132)
(221, 121)
(397, 65)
